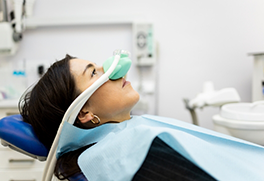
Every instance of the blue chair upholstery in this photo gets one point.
(78, 177)
(20, 136)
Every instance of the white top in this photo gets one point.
(9, 103)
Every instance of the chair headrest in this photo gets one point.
(21, 135)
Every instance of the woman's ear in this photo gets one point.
(85, 117)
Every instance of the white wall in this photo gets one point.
(198, 40)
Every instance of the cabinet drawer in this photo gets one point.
(11, 159)
(8, 111)
(20, 175)
(3, 147)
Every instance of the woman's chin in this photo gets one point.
(137, 97)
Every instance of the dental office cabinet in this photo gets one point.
(15, 166)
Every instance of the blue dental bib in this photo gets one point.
(121, 148)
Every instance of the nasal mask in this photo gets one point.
(122, 66)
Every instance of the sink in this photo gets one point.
(243, 111)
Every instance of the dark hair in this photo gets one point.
(44, 106)
(67, 165)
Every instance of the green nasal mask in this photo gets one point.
(121, 69)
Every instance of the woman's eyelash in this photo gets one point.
(93, 72)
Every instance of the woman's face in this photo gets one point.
(112, 101)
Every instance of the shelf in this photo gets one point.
(9, 103)
(35, 22)
(256, 54)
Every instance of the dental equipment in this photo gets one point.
(12, 23)
(211, 97)
(119, 67)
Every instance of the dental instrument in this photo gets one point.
(211, 97)
(12, 23)
(241, 120)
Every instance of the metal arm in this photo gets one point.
(192, 111)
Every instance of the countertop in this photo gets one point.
(9, 103)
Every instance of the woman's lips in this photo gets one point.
(125, 82)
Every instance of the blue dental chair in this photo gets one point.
(20, 136)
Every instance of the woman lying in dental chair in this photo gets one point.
(107, 143)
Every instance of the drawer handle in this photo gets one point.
(11, 113)
(21, 161)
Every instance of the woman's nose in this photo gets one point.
(100, 69)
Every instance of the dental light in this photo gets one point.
(12, 15)
(114, 67)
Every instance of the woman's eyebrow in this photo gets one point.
(87, 67)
